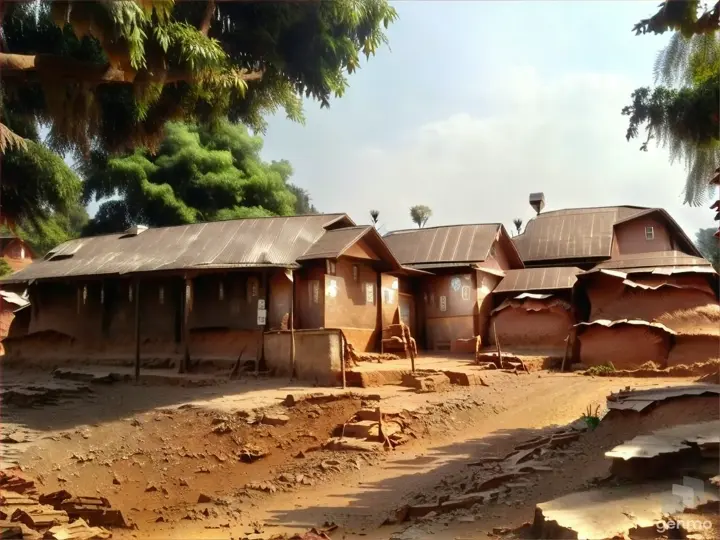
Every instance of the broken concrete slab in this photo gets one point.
(612, 512)
(667, 451)
(12, 480)
(638, 400)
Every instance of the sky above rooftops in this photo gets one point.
(477, 104)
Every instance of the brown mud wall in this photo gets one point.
(626, 346)
(630, 237)
(691, 309)
(691, 349)
(450, 303)
(518, 327)
(349, 306)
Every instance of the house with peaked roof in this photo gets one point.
(215, 292)
(450, 305)
(634, 279)
(15, 251)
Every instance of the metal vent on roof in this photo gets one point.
(135, 230)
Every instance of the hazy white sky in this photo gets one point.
(478, 103)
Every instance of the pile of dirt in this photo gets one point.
(710, 369)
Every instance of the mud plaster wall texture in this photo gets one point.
(520, 328)
(449, 306)
(486, 283)
(226, 301)
(310, 296)
(351, 302)
(692, 309)
(626, 347)
(317, 355)
(630, 237)
(689, 349)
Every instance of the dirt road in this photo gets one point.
(154, 464)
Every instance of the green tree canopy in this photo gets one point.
(683, 112)
(109, 74)
(199, 173)
(709, 246)
(420, 214)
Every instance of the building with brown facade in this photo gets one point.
(15, 251)
(641, 291)
(210, 292)
(451, 304)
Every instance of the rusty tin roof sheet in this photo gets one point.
(655, 259)
(447, 244)
(241, 243)
(582, 233)
(572, 233)
(538, 279)
(333, 243)
(645, 397)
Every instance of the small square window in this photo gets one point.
(649, 233)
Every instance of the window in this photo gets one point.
(649, 233)
(329, 267)
(356, 272)
(22, 252)
(161, 295)
(369, 293)
(315, 291)
(221, 292)
(443, 303)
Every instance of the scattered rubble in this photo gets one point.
(34, 395)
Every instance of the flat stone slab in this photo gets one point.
(613, 512)
(668, 441)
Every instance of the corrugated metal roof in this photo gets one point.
(538, 279)
(653, 259)
(333, 243)
(572, 233)
(448, 244)
(257, 242)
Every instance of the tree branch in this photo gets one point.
(61, 67)
(207, 18)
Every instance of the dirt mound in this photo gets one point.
(710, 369)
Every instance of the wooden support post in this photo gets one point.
(186, 306)
(568, 345)
(497, 346)
(137, 328)
(292, 325)
(343, 349)
(261, 352)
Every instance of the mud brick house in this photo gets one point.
(15, 251)
(210, 292)
(534, 309)
(641, 292)
(451, 304)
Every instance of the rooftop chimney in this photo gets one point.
(135, 230)
(537, 201)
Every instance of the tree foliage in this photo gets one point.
(58, 227)
(709, 246)
(36, 182)
(5, 268)
(518, 224)
(108, 74)
(199, 173)
(420, 214)
(374, 216)
(683, 113)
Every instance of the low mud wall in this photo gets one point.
(318, 355)
(626, 347)
(691, 349)
(519, 328)
(217, 348)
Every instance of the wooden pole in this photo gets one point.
(343, 348)
(292, 323)
(261, 354)
(570, 339)
(497, 346)
(137, 329)
(186, 305)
